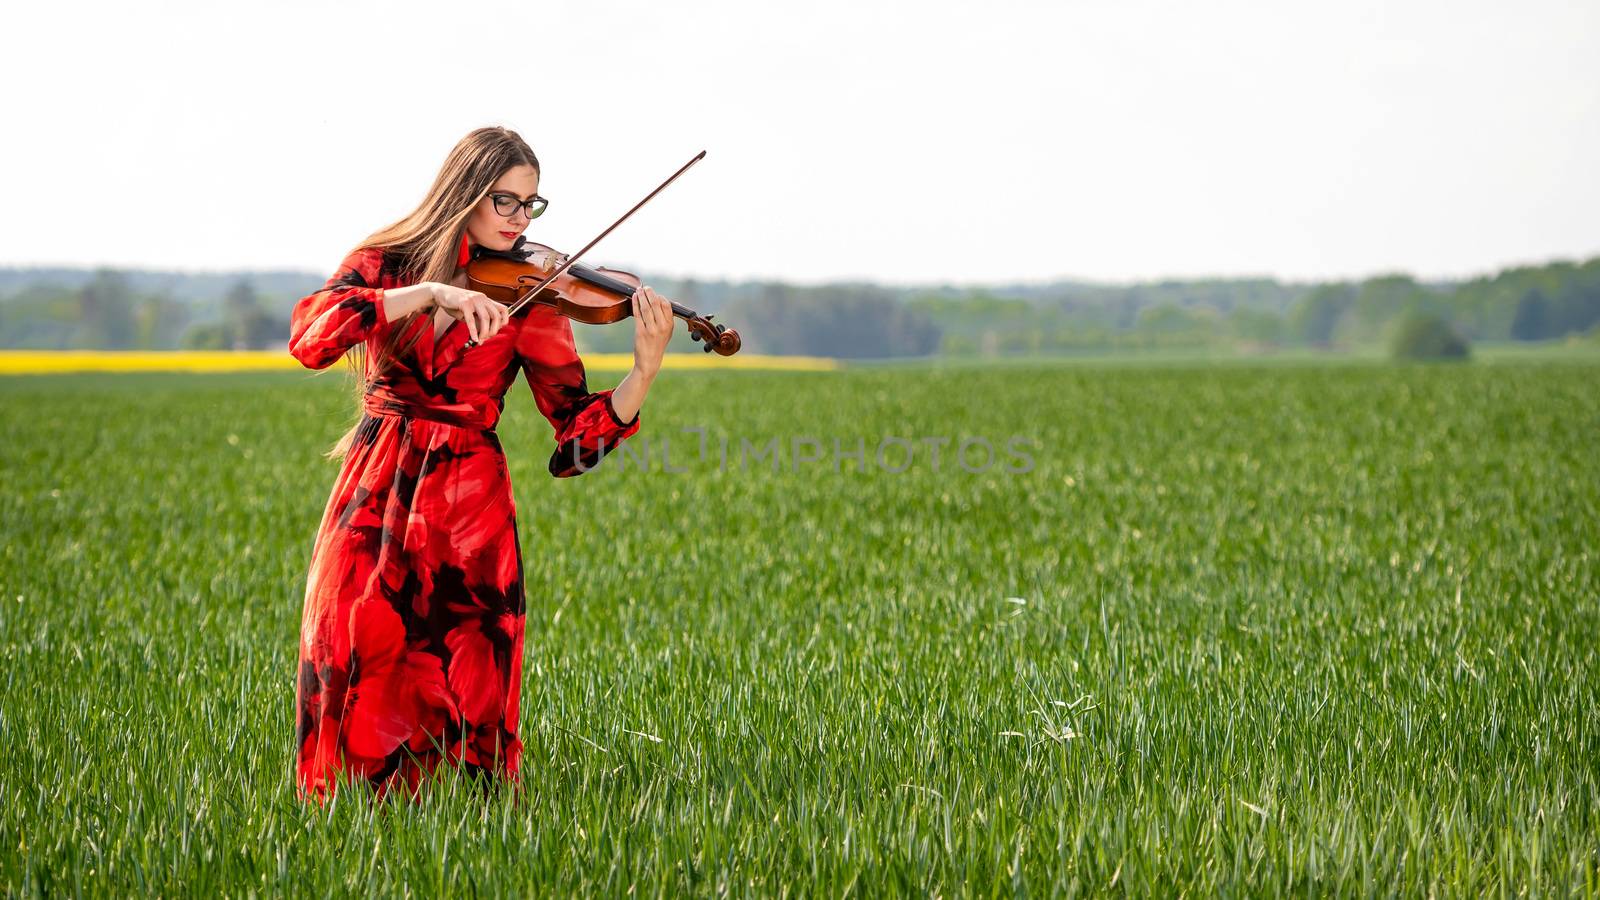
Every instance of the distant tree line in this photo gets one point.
(140, 310)
(105, 313)
(1528, 303)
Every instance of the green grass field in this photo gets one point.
(1242, 630)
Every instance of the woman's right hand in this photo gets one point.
(483, 316)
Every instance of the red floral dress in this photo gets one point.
(411, 636)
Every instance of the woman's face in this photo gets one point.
(488, 228)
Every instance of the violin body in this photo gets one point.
(593, 295)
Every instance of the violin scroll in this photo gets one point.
(716, 337)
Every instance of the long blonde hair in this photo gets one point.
(425, 243)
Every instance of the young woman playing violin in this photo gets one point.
(411, 635)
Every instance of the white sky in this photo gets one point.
(911, 142)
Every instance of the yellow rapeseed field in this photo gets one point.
(31, 362)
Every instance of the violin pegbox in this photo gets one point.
(719, 338)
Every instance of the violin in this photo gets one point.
(531, 272)
(595, 296)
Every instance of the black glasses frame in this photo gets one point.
(506, 205)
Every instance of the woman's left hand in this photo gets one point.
(652, 328)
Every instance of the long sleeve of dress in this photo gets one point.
(347, 310)
(586, 425)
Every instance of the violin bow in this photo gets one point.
(512, 309)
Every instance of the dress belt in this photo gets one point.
(461, 416)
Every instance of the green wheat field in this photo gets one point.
(1250, 629)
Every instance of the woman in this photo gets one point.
(411, 636)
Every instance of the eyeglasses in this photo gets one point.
(506, 204)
